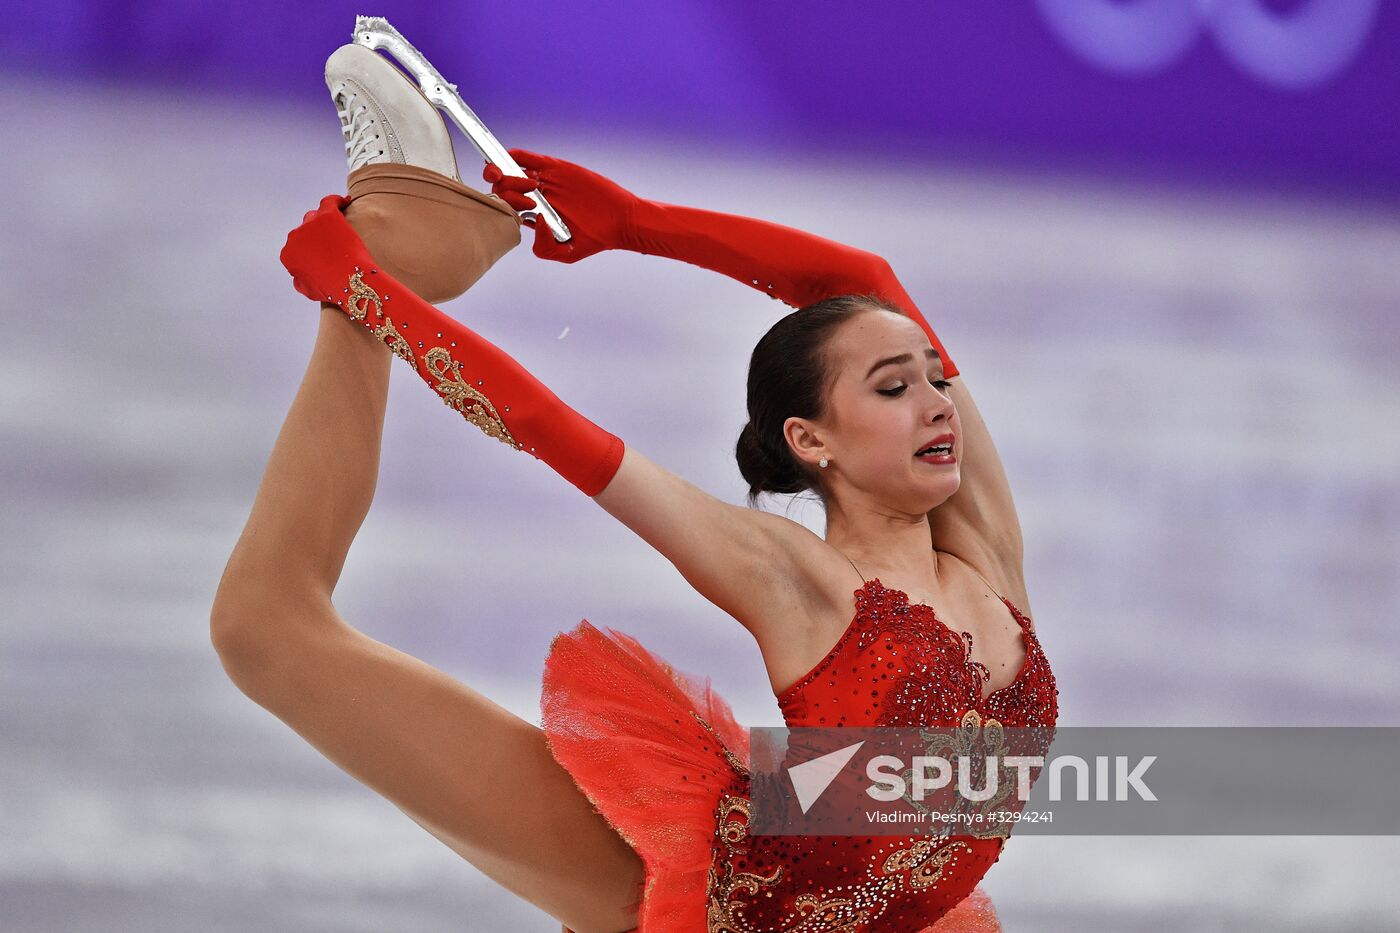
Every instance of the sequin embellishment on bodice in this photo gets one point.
(896, 665)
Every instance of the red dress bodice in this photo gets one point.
(896, 665)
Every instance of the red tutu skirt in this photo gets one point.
(654, 749)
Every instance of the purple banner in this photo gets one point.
(1297, 93)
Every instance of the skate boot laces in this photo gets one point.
(361, 137)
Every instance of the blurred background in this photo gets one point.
(1159, 237)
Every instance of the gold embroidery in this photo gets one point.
(923, 862)
(917, 868)
(926, 860)
(455, 392)
(719, 913)
(729, 756)
(395, 341)
(730, 891)
(358, 305)
(361, 297)
(973, 740)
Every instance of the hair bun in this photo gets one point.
(764, 469)
(754, 463)
(789, 377)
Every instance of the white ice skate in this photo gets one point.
(375, 33)
(383, 116)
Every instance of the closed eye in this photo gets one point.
(896, 391)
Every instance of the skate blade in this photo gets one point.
(374, 32)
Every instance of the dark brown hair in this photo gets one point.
(790, 374)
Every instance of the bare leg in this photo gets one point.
(476, 776)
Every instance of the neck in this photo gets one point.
(883, 543)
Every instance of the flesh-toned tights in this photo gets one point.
(470, 772)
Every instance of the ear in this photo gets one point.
(804, 440)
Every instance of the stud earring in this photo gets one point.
(824, 462)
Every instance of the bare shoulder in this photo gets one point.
(813, 600)
(758, 567)
(819, 576)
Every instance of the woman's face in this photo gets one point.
(887, 401)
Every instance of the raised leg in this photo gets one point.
(476, 776)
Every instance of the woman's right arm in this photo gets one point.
(741, 560)
(753, 565)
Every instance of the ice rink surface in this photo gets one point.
(1193, 393)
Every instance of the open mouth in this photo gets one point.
(940, 446)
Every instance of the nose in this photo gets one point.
(938, 405)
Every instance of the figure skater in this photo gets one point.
(629, 809)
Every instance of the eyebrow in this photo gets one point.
(931, 353)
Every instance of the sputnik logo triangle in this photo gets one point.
(813, 777)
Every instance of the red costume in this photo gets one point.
(661, 757)
(655, 750)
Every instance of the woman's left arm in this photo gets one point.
(791, 265)
(978, 523)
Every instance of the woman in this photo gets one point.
(643, 769)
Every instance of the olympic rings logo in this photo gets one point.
(1293, 51)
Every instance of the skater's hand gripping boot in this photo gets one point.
(407, 227)
(797, 268)
(598, 211)
(330, 263)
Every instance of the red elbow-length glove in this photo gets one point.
(795, 267)
(330, 263)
